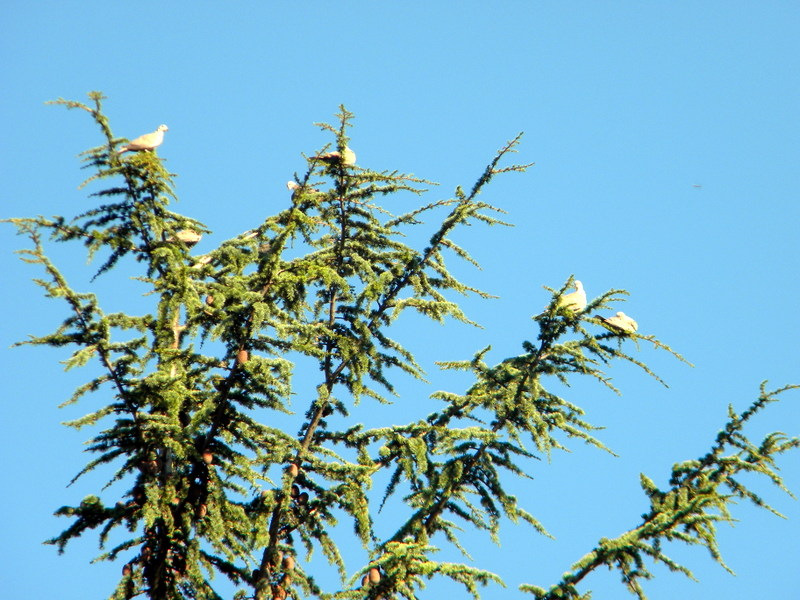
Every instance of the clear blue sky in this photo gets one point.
(626, 108)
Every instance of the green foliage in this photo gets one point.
(213, 486)
(698, 498)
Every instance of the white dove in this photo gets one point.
(347, 158)
(621, 322)
(147, 141)
(295, 187)
(574, 301)
(187, 236)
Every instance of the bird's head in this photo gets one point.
(578, 285)
(162, 128)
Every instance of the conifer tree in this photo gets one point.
(203, 480)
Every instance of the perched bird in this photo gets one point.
(187, 236)
(348, 157)
(295, 187)
(620, 322)
(574, 301)
(147, 141)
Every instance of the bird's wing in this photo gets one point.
(147, 141)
